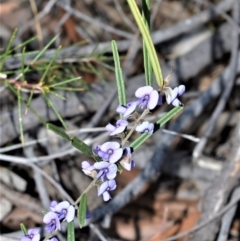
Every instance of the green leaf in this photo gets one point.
(162, 121)
(50, 104)
(119, 75)
(20, 116)
(82, 210)
(6, 53)
(64, 82)
(70, 232)
(148, 42)
(59, 131)
(146, 57)
(81, 146)
(23, 228)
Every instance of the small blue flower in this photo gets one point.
(126, 160)
(172, 96)
(145, 127)
(33, 235)
(88, 169)
(52, 222)
(96, 150)
(148, 97)
(127, 110)
(121, 125)
(106, 169)
(52, 239)
(110, 151)
(65, 210)
(105, 188)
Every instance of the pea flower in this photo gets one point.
(106, 169)
(88, 169)
(145, 127)
(119, 128)
(33, 235)
(65, 210)
(126, 160)
(96, 149)
(110, 151)
(53, 204)
(52, 221)
(105, 188)
(52, 239)
(172, 95)
(127, 110)
(147, 97)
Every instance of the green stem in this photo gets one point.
(145, 112)
(86, 190)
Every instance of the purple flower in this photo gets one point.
(53, 204)
(33, 235)
(106, 169)
(52, 239)
(105, 187)
(65, 210)
(119, 128)
(145, 127)
(110, 151)
(88, 169)
(52, 221)
(172, 97)
(128, 109)
(126, 160)
(148, 97)
(96, 149)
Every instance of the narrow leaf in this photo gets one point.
(50, 104)
(20, 116)
(23, 228)
(146, 57)
(163, 120)
(81, 146)
(59, 131)
(64, 82)
(82, 210)
(148, 41)
(70, 231)
(139, 141)
(119, 75)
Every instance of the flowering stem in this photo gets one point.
(145, 112)
(86, 190)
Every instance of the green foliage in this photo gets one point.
(82, 210)
(146, 56)
(59, 131)
(70, 231)
(148, 42)
(23, 228)
(119, 75)
(81, 146)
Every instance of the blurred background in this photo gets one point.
(191, 167)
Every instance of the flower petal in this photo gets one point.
(109, 127)
(112, 171)
(106, 196)
(153, 100)
(101, 165)
(49, 216)
(122, 122)
(131, 106)
(140, 92)
(102, 188)
(176, 102)
(121, 109)
(116, 155)
(25, 238)
(109, 145)
(142, 127)
(181, 89)
(36, 237)
(70, 214)
(112, 184)
(118, 130)
(61, 206)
